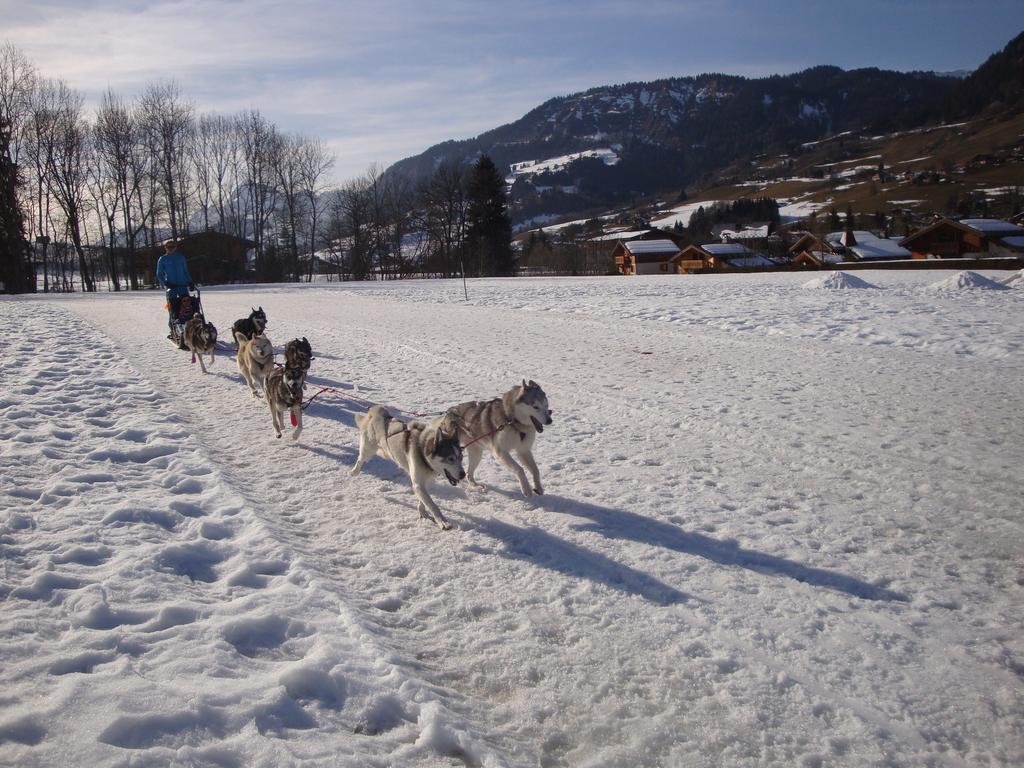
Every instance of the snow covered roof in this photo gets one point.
(828, 257)
(651, 246)
(750, 233)
(726, 249)
(862, 235)
(751, 260)
(992, 225)
(880, 249)
(621, 235)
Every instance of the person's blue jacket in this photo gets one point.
(172, 271)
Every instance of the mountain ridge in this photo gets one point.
(615, 143)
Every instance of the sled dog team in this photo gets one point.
(425, 451)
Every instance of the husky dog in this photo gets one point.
(422, 450)
(284, 394)
(255, 360)
(507, 423)
(298, 354)
(201, 338)
(250, 326)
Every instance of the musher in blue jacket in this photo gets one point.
(172, 273)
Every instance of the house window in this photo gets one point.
(664, 267)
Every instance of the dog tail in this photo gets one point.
(360, 419)
(239, 337)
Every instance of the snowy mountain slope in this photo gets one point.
(667, 134)
(777, 532)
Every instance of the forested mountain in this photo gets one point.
(614, 144)
(997, 85)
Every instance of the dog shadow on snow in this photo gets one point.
(539, 546)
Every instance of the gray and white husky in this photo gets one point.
(505, 424)
(284, 395)
(200, 338)
(255, 360)
(422, 450)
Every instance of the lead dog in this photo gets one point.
(255, 360)
(422, 450)
(250, 326)
(505, 424)
(201, 338)
(284, 394)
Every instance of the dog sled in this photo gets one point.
(181, 309)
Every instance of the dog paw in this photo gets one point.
(445, 526)
(539, 491)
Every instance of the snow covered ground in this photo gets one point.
(782, 526)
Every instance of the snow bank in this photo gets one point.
(963, 281)
(835, 281)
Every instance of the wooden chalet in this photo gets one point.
(213, 257)
(719, 256)
(949, 239)
(809, 250)
(645, 257)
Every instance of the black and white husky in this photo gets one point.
(505, 424)
(250, 326)
(422, 450)
(298, 354)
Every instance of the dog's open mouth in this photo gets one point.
(536, 424)
(451, 479)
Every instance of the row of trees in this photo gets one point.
(94, 192)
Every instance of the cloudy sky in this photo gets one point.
(384, 79)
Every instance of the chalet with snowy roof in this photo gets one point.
(720, 256)
(645, 257)
(754, 236)
(809, 250)
(949, 239)
(862, 245)
(628, 235)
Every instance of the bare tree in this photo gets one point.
(285, 161)
(315, 160)
(259, 139)
(401, 202)
(168, 124)
(443, 211)
(121, 157)
(18, 81)
(351, 230)
(107, 203)
(68, 172)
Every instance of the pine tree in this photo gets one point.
(488, 227)
(15, 263)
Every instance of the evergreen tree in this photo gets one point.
(488, 227)
(15, 264)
